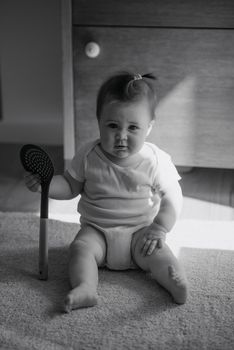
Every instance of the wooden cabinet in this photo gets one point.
(188, 45)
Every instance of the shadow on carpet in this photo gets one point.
(133, 311)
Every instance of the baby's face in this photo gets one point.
(124, 128)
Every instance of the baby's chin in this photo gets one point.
(126, 159)
(121, 154)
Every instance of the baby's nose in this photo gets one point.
(121, 134)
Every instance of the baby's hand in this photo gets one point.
(153, 238)
(32, 181)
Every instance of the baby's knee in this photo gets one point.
(78, 247)
(87, 247)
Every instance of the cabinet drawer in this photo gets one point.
(195, 120)
(155, 13)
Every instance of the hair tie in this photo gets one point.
(137, 77)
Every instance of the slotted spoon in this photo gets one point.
(35, 160)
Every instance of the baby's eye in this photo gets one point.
(133, 127)
(112, 125)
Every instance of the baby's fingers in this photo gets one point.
(152, 247)
(160, 243)
(149, 246)
(146, 245)
(32, 181)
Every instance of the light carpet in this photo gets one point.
(133, 311)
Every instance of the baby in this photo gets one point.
(130, 195)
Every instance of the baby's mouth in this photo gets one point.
(121, 147)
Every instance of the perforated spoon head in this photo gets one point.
(35, 160)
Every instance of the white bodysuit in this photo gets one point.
(120, 200)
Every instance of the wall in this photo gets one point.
(31, 72)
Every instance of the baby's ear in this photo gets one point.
(151, 124)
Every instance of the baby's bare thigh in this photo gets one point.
(93, 240)
(160, 257)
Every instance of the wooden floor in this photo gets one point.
(208, 193)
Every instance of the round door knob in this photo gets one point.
(92, 49)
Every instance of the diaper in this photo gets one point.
(118, 243)
(118, 256)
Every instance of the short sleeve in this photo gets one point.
(166, 173)
(78, 164)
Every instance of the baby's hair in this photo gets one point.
(128, 87)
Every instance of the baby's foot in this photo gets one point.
(81, 296)
(179, 289)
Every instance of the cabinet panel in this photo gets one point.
(195, 119)
(166, 13)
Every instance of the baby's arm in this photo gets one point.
(65, 187)
(61, 186)
(170, 208)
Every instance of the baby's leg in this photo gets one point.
(87, 252)
(164, 267)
